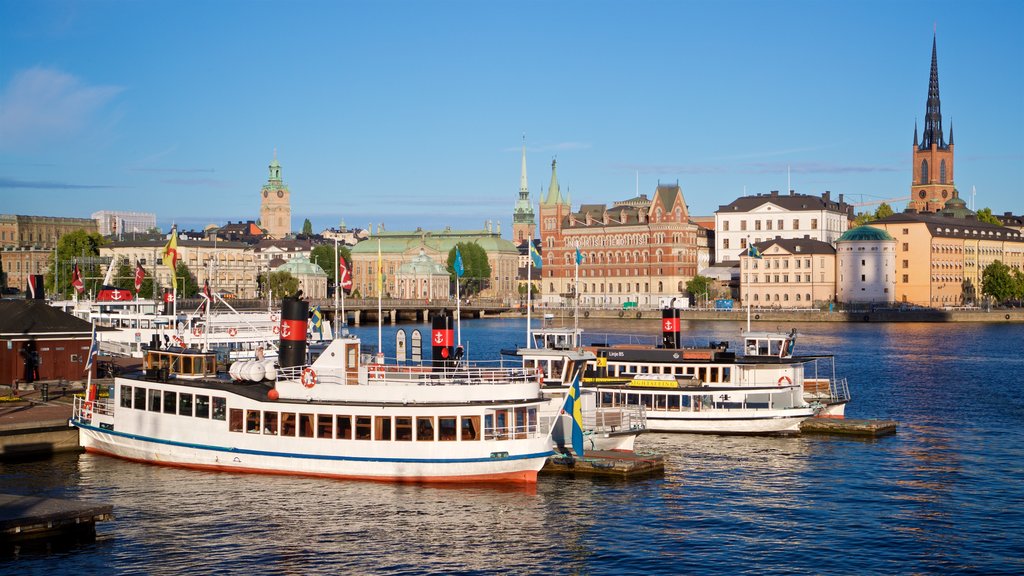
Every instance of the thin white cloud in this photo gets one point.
(41, 105)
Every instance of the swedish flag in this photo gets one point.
(752, 251)
(574, 408)
(317, 320)
(535, 256)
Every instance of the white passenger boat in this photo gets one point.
(710, 389)
(341, 416)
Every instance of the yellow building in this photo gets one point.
(940, 258)
(791, 273)
(39, 231)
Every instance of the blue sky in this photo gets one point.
(413, 113)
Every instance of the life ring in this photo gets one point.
(87, 410)
(586, 314)
(232, 331)
(1007, 316)
(621, 313)
(308, 377)
(786, 380)
(197, 332)
(273, 317)
(277, 329)
(867, 318)
(639, 314)
(757, 316)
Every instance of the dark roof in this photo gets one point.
(286, 245)
(1008, 219)
(954, 227)
(187, 243)
(797, 246)
(793, 202)
(30, 317)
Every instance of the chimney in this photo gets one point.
(840, 198)
(826, 196)
(775, 193)
(792, 192)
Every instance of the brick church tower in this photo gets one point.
(276, 204)
(932, 181)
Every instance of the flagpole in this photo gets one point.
(380, 304)
(337, 288)
(529, 289)
(743, 293)
(458, 312)
(576, 293)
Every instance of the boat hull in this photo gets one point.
(507, 468)
(749, 422)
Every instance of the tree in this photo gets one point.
(863, 218)
(985, 215)
(323, 256)
(187, 285)
(997, 282)
(307, 227)
(475, 265)
(1018, 285)
(700, 287)
(70, 248)
(883, 211)
(124, 276)
(281, 283)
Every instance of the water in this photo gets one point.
(942, 496)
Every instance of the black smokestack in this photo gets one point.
(442, 340)
(294, 315)
(670, 326)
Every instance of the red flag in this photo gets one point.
(140, 275)
(113, 294)
(76, 280)
(345, 276)
(206, 291)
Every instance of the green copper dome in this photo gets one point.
(300, 265)
(864, 234)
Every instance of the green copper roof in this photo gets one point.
(300, 265)
(442, 241)
(422, 265)
(864, 234)
(554, 193)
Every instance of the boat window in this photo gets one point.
(252, 421)
(714, 374)
(605, 399)
(126, 396)
(287, 424)
(170, 402)
(702, 374)
(685, 402)
(489, 426)
(362, 427)
(154, 400)
(556, 369)
(726, 374)
(305, 425)
(185, 404)
(270, 422)
(446, 427)
(324, 426)
(531, 419)
(140, 398)
(660, 402)
(220, 406)
(424, 428)
(235, 421)
(470, 427)
(202, 406)
(673, 403)
(344, 427)
(403, 428)
(383, 428)
(647, 400)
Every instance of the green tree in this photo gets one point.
(72, 247)
(281, 283)
(863, 218)
(997, 281)
(124, 275)
(1018, 284)
(985, 215)
(323, 256)
(187, 285)
(307, 227)
(883, 211)
(700, 287)
(475, 265)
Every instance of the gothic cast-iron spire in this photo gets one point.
(933, 113)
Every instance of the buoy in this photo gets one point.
(272, 394)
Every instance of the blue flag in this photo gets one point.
(459, 270)
(535, 256)
(752, 251)
(317, 320)
(573, 407)
(579, 256)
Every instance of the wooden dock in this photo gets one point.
(607, 463)
(848, 427)
(29, 518)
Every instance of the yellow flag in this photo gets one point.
(170, 255)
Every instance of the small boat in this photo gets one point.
(344, 415)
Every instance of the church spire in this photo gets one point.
(915, 131)
(554, 193)
(933, 111)
(522, 216)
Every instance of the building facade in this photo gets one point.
(767, 216)
(275, 204)
(422, 279)
(940, 259)
(21, 262)
(116, 223)
(932, 174)
(40, 231)
(791, 273)
(234, 266)
(637, 250)
(866, 259)
(399, 248)
(312, 278)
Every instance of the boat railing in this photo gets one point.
(607, 419)
(84, 410)
(113, 348)
(419, 375)
(826, 389)
(839, 390)
(510, 432)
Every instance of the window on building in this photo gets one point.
(743, 224)
(780, 223)
(924, 171)
(906, 278)
(814, 223)
(725, 243)
(725, 226)
(906, 263)
(942, 172)
(757, 224)
(768, 224)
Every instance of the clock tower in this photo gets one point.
(932, 181)
(275, 204)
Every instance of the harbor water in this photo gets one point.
(941, 496)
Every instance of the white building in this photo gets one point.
(866, 266)
(116, 223)
(769, 216)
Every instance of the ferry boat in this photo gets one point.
(344, 415)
